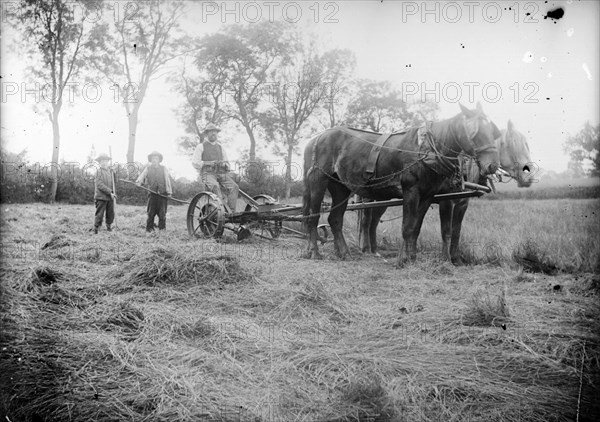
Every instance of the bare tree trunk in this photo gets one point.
(248, 126)
(133, 123)
(288, 170)
(252, 142)
(55, 151)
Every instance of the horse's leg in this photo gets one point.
(457, 218)
(446, 209)
(339, 202)
(313, 198)
(364, 241)
(376, 214)
(409, 212)
(414, 210)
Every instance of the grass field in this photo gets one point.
(119, 326)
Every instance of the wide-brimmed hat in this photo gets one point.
(103, 156)
(158, 154)
(210, 127)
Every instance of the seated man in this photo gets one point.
(211, 161)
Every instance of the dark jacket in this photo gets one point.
(157, 179)
(104, 184)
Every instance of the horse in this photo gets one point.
(514, 159)
(415, 164)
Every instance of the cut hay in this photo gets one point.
(63, 297)
(314, 296)
(199, 329)
(367, 399)
(356, 340)
(524, 277)
(126, 318)
(590, 285)
(528, 255)
(485, 310)
(161, 265)
(46, 276)
(57, 241)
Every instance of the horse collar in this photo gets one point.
(439, 163)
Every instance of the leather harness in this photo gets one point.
(374, 155)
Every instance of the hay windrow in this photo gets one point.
(486, 310)
(163, 265)
(45, 276)
(58, 295)
(533, 259)
(57, 241)
(127, 318)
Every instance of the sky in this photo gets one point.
(541, 73)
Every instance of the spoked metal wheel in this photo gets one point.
(264, 229)
(206, 216)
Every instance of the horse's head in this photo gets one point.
(481, 135)
(514, 155)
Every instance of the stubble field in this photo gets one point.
(121, 326)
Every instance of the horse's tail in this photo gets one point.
(309, 167)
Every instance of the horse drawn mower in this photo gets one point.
(209, 217)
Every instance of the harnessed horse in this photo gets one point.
(514, 159)
(414, 166)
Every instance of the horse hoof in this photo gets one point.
(457, 262)
(312, 255)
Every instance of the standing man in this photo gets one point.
(156, 177)
(104, 195)
(211, 161)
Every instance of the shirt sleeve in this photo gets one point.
(168, 187)
(224, 154)
(142, 177)
(197, 158)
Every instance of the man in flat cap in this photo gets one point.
(104, 194)
(156, 177)
(211, 161)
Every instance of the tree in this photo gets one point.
(422, 111)
(301, 90)
(146, 39)
(583, 149)
(202, 106)
(235, 63)
(378, 107)
(54, 33)
(341, 64)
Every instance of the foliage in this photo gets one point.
(379, 107)
(584, 150)
(340, 65)
(55, 41)
(135, 49)
(231, 82)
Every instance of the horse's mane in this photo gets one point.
(446, 129)
(516, 143)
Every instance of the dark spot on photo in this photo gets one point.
(555, 14)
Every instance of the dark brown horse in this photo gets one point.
(514, 159)
(413, 164)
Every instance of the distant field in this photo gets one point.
(120, 326)
(545, 188)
